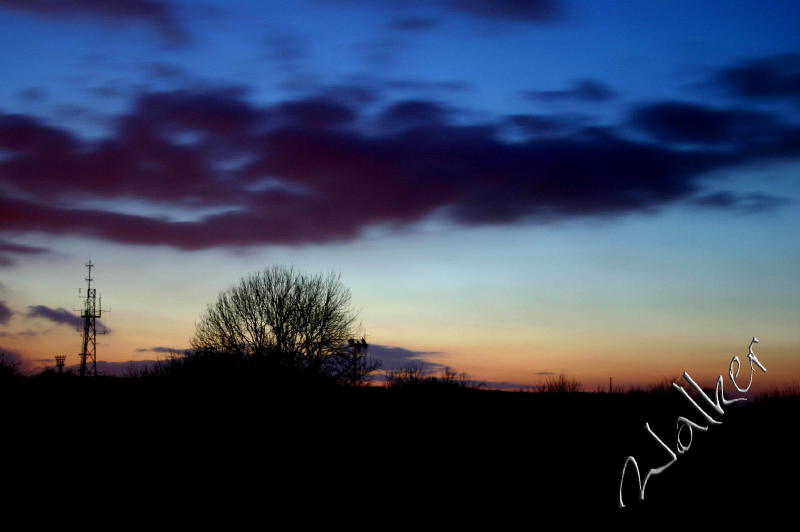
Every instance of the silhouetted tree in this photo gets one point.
(9, 366)
(452, 378)
(353, 365)
(296, 320)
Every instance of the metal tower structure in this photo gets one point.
(60, 359)
(91, 311)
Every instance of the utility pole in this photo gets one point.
(91, 311)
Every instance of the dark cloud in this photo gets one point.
(544, 373)
(348, 95)
(157, 13)
(516, 10)
(59, 316)
(166, 71)
(535, 125)
(5, 313)
(751, 203)
(313, 114)
(398, 357)
(690, 123)
(775, 77)
(582, 90)
(288, 173)
(413, 23)
(32, 95)
(380, 51)
(79, 114)
(106, 92)
(526, 11)
(414, 113)
(167, 350)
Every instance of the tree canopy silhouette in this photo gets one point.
(290, 318)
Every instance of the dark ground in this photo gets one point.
(129, 448)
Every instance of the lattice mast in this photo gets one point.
(91, 311)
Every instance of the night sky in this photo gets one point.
(511, 188)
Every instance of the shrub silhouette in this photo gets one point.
(414, 376)
(561, 384)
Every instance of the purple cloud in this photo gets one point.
(413, 23)
(775, 77)
(60, 316)
(286, 173)
(5, 313)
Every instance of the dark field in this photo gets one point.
(135, 447)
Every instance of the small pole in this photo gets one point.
(610, 388)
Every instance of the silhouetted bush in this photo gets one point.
(561, 384)
(414, 376)
(661, 387)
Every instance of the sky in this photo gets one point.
(515, 189)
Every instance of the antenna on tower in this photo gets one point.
(91, 311)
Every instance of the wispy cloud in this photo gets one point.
(168, 350)
(10, 250)
(159, 14)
